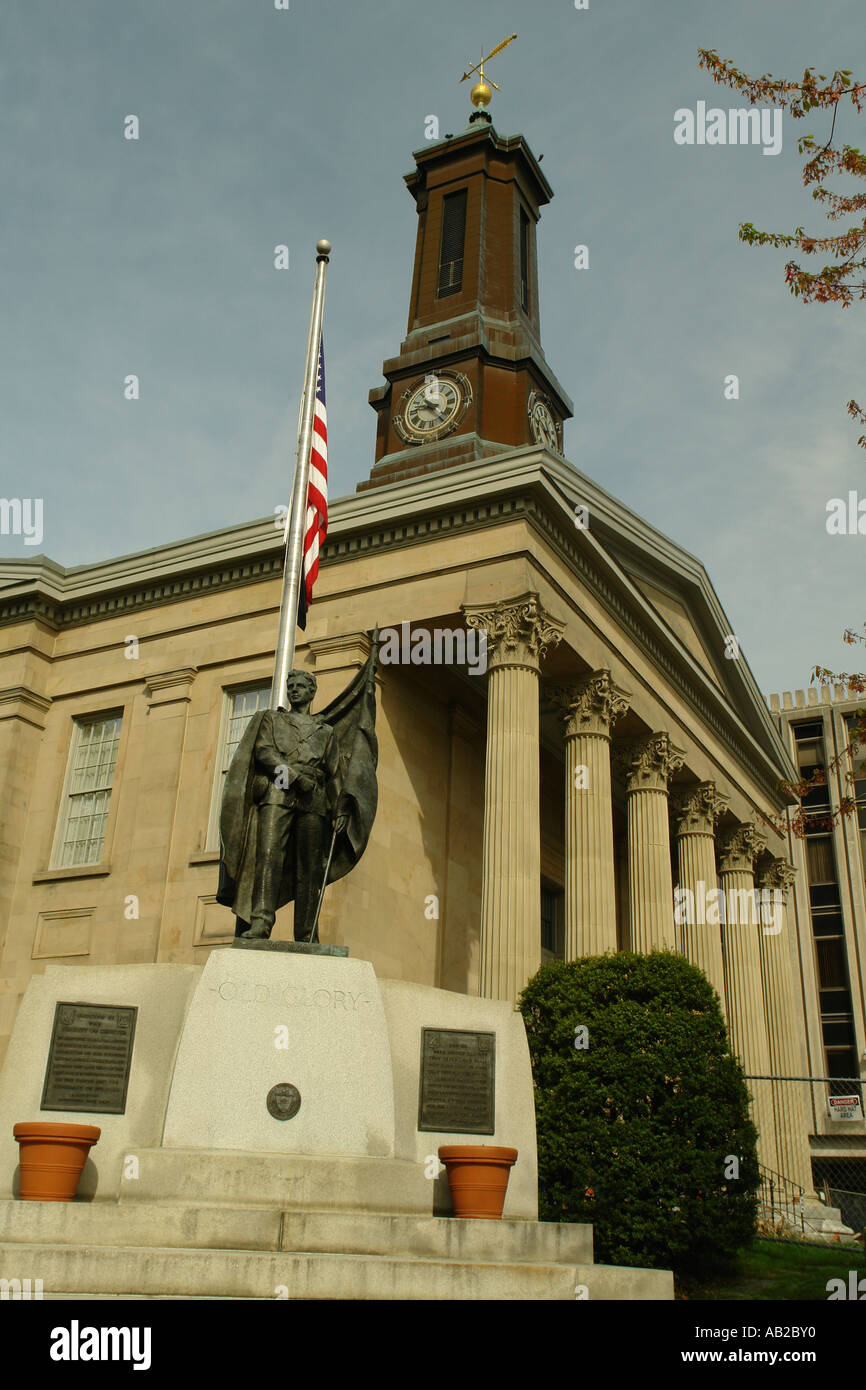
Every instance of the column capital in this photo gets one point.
(519, 631)
(740, 848)
(696, 809)
(779, 874)
(589, 705)
(648, 762)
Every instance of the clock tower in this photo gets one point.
(470, 379)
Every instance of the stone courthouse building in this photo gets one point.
(546, 806)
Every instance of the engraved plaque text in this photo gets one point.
(457, 1093)
(90, 1058)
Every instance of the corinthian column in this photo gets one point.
(648, 763)
(518, 634)
(743, 984)
(588, 709)
(700, 937)
(790, 1098)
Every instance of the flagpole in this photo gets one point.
(297, 516)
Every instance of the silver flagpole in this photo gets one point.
(297, 516)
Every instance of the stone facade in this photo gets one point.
(603, 756)
(482, 801)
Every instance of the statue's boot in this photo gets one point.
(259, 931)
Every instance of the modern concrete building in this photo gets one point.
(829, 915)
(614, 747)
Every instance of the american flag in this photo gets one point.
(316, 522)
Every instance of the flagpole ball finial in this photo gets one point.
(323, 248)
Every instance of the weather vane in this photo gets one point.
(481, 93)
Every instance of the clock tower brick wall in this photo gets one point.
(480, 344)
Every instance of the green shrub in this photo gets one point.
(635, 1130)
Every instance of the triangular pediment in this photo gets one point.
(661, 582)
(676, 615)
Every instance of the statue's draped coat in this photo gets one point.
(353, 718)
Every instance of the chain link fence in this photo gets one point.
(812, 1153)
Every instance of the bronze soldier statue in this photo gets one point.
(298, 804)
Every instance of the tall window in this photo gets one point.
(859, 759)
(821, 860)
(524, 261)
(831, 965)
(811, 761)
(451, 247)
(84, 813)
(240, 706)
(552, 924)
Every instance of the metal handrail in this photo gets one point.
(855, 1080)
(786, 1185)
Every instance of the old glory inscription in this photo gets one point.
(458, 1081)
(90, 1058)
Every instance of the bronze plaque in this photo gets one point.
(457, 1094)
(284, 1101)
(90, 1058)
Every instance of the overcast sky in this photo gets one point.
(261, 126)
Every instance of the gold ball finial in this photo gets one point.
(480, 95)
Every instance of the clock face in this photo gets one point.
(433, 407)
(542, 423)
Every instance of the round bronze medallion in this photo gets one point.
(284, 1101)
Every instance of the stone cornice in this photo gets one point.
(349, 650)
(628, 606)
(658, 558)
(20, 702)
(481, 135)
(590, 705)
(524, 484)
(519, 631)
(164, 687)
(44, 597)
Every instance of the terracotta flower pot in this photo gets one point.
(52, 1157)
(478, 1178)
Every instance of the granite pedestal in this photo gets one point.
(213, 1184)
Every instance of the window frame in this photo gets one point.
(61, 822)
(452, 289)
(557, 893)
(523, 258)
(212, 840)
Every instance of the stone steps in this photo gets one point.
(185, 1225)
(817, 1223)
(140, 1298)
(283, 1181)
(233, 1225)
(171, 1249)
(159, 1272)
